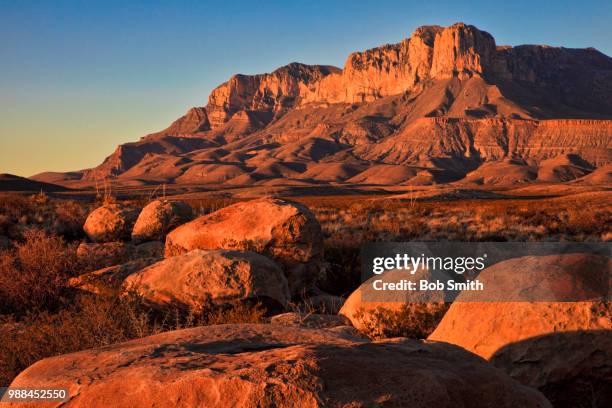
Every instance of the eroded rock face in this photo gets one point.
(276, 366)
(572, 368)
(112, 222)
(267, 92)
(446, 98)
(158, 218)
(389, 313)
(195, 278)
(542, 343)
(287, 232)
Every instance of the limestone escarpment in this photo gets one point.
(444, 99)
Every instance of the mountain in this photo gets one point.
(443, 105)
(11, 182)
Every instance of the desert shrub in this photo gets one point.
(94, 321)
(90, 322)
(415, 320)
(342, 270)
(33, 276)
(57, 217)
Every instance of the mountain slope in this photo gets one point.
(437, 106)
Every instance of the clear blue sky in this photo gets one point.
(79, 77)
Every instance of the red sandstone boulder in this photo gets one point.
(552, 345)
(158, 218)
(111, 222)
(219, 276)
(252, 365)
(285, 231)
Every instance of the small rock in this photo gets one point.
(111, 222)
(109, 279)
(158, 218)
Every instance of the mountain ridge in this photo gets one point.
(443, 101)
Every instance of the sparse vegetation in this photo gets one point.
(41, 316)
(416, 320)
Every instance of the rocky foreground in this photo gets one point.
(326, 352)
(443, 105)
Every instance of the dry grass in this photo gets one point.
(33, 275)
(350, 222)
(60, 217)
(41, 316)
(417, 320)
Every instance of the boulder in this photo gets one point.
(286, 232)
(109, 279)
(543, 343)
(573, 369)
(381, 314)
(111, 222)
(158, 218)
(259, 365)
(219, 276)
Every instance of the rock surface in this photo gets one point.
(276, 366)
(286, 232)
(111, 222)
(158, 218)
(545, 344)
(109, 279)
(219, 276)
(438, 104)
(572, 369)
(389, 313)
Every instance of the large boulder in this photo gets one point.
(111, 222)
(254, 365)
(543, 343)
(158, 218)
(285, 231)
(219, 276)
(390, 313)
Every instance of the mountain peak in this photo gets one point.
(440, 102)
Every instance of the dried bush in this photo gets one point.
(94, 321)
(33, 276)
(414, 320)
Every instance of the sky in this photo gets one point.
(77, 78)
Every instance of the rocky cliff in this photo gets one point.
(443, 101)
